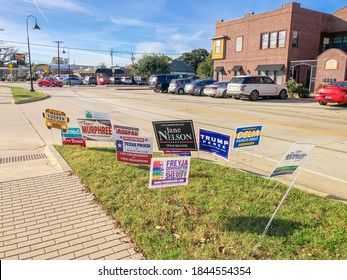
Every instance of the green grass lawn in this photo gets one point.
(221, 214)
(20, 94)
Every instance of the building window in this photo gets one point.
(217, 46)
(273, 40)
(337, 40)
(220, 76)
(239, 44)
(295, 39)
(264, 41)
(281, 39)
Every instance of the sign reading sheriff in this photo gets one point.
(175, 135)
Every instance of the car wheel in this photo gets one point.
(180, 91)
(201, 92)
(282, 94)
(237, 97)
(254, 95)
(323, 103)
(52, 85)
(156, 90)
(224, 94)
(39, 84)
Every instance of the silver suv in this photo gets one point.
(254, 87)
(176, 86)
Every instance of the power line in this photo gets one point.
(91, 50)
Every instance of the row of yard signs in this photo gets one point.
(173, 137)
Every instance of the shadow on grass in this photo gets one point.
(279, 227)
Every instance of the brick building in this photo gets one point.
(288, 43)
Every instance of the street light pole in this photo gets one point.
(31, 73)
(58, 42)
(68, 59)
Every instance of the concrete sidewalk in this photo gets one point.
(45, 211)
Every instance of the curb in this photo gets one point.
(56, 158)
(24, 101)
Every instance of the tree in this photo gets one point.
(102, 65)
(194, 58)
(151, 64)
(205, 68)
(6, 54)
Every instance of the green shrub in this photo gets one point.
(297, 88)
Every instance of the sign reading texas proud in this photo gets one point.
(175, 135)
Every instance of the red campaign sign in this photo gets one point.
(74, 141)
(134, 158)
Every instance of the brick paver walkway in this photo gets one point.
(53, 217)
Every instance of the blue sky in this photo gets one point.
(92, 28)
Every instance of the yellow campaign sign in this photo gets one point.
(56, 119)
(10, 66)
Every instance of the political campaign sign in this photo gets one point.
(73, 136)
(55, 119)
(168, 172)
(175, 135)
(89, 114)
(247, 136)
(134, 149)
(96, 130)
(214, 142)
(126, 130)
(293, 159)
(180, 153)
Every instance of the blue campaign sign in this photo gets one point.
(72, 132)
(247, 136)
(214, 142)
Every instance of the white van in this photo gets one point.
(126, 80)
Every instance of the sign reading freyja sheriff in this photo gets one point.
(247, 136)
(169, 172)
(214, 142)
(175, 135)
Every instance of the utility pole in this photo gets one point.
(132, 58)
(58, 42)
(111, 53)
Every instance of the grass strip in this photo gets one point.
(219, 215)
(20, 94)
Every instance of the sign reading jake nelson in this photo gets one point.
(175, 135)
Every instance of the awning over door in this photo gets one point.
(219, 68)
(236, 68)
(269, 67)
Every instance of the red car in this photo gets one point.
(49, 82)
(104, 81)
(335, 92)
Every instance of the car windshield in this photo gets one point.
(219, 83)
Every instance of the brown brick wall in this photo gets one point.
(338, 74)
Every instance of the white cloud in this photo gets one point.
(69, 5)
(119, 21)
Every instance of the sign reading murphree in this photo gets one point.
(96, 130)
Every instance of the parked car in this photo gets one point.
(140, 80)
(335, 92)
(49, 82)
(115, 80)
(176, 86)
(73, 81)
(126, 80)
(90, 80)
(160, 82)
(254, 87)
(104, 81)
(197, 87)
(63, 76)
(218, 89)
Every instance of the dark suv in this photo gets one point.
(160, 82)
